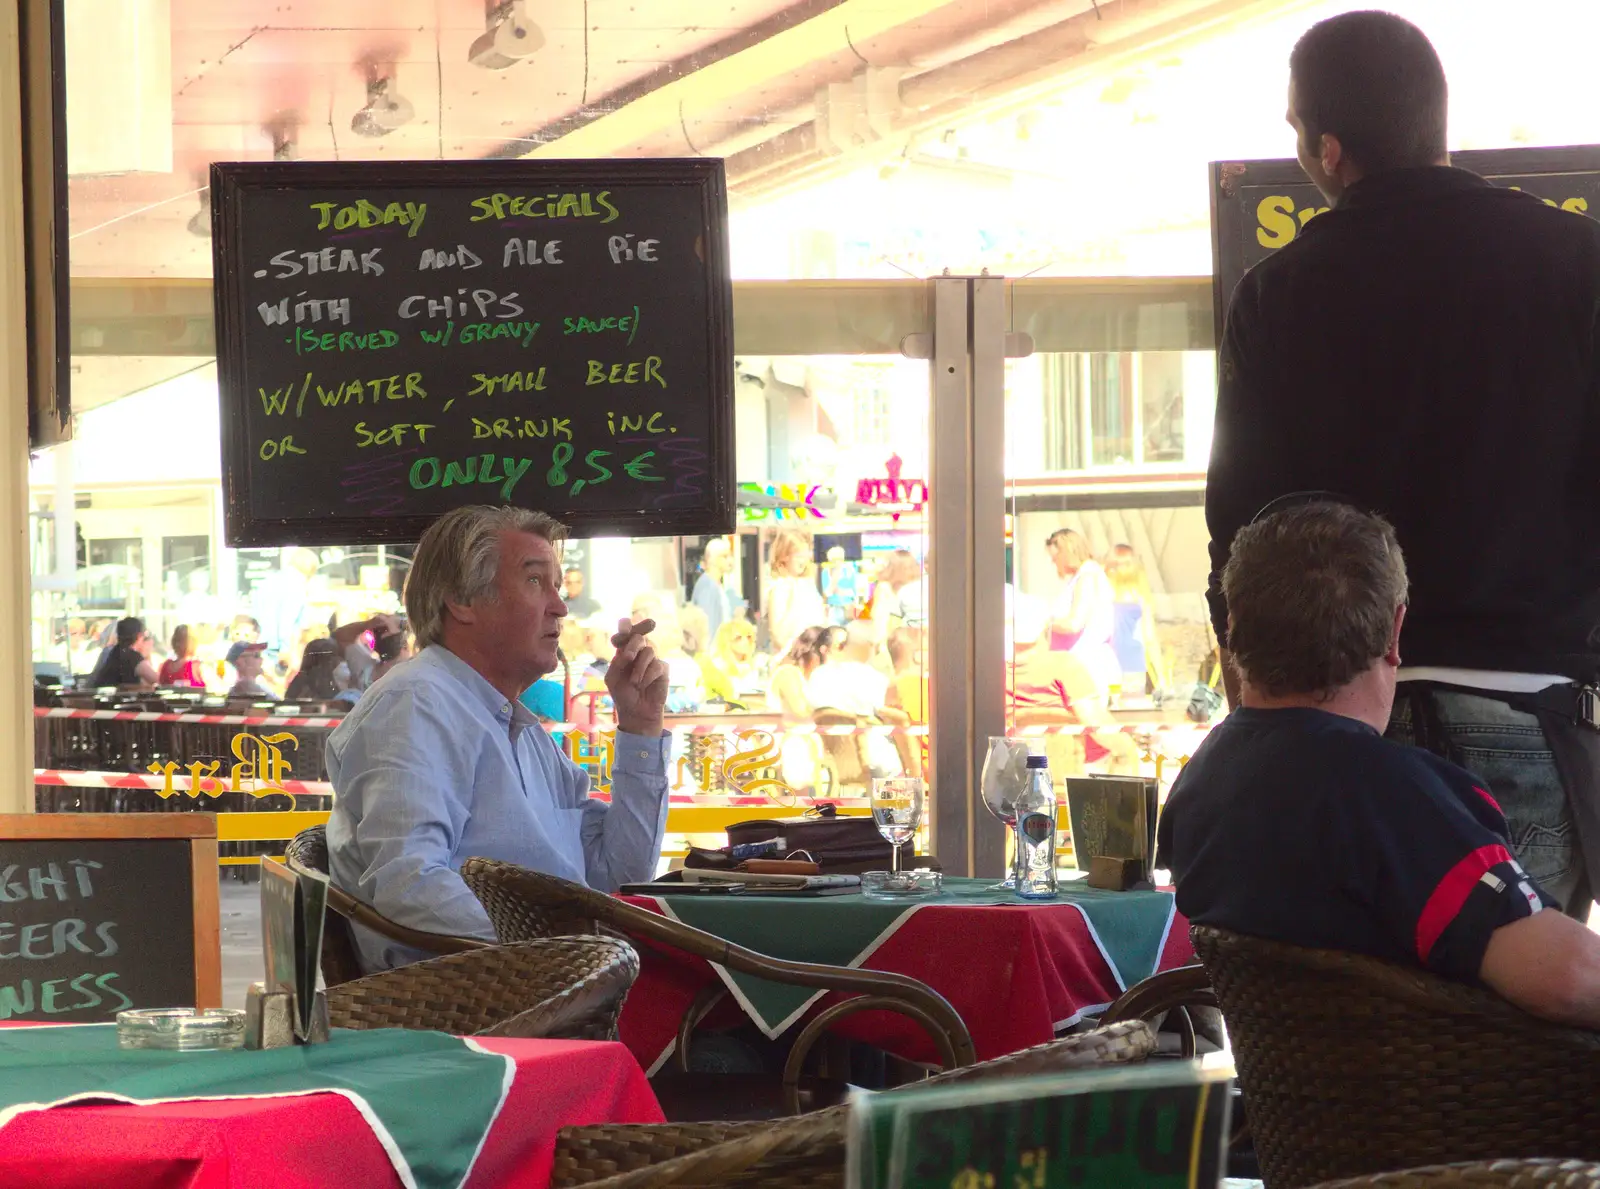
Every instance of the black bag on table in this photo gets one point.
(838, 845)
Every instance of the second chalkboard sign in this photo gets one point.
(399, 339)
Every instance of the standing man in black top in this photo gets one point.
(1429, 349)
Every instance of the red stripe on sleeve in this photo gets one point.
(1452, 892)
(1484, 793)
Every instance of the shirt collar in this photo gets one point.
(512, 715)
(1409, 185)
(1309, 715)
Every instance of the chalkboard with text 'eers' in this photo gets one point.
(103, 912)
(399, 339)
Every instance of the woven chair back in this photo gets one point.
(1351, 1066)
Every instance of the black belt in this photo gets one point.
(1576, 702)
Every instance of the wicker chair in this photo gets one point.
(1491, 1174)
(526, 904)
(571, 988)
(1351, 1066)
(1171, 992)
(802, 1153)
(307, 852)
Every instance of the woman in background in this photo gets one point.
(729, 668)
(898, 571)
(1081, 618)
(1133, 622)
(181, 668)
(801, 754)
(793, 601)
(697, 634)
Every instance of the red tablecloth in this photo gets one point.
(319, 1140)
(1016, 977)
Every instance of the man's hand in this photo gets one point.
(637, 679)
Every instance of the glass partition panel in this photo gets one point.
(1111, 665)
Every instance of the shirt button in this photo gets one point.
(506, 709)
(644, 755)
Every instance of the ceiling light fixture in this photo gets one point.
(386, 108)
(508, 38)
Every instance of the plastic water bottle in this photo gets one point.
(1036, 834)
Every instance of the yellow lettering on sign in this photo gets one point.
(165, 771)
(260, 771)
(1275, 221)
(203, 778)
(261, 763)
(758, 750)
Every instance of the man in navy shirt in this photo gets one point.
(1296, 820)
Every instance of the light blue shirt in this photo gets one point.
(435, 766)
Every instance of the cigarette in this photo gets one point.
(643, 628)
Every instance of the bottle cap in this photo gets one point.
(1038, 761)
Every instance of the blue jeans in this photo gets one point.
(1508, 751)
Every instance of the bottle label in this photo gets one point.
(1037, 827)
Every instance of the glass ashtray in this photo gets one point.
(900, 885)
(185, 1029)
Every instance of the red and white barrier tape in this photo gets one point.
(181, 783)
(697, 725)
(321, 788)
(221, 720)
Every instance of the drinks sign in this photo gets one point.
(1154, 1127)
(1259, 207)
(396, 340)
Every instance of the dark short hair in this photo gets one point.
(1312, 591)
(129, 630)
(1374, 81)
(813, 643)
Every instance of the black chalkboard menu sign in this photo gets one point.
(399, 339)
(104, 912)
(1258, 207)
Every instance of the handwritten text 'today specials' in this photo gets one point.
(22, 943)
(518, 251)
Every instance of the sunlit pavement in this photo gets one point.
(241, 940)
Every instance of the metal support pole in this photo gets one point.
(950, 573)
(986, 532)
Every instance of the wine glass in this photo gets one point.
(1005, 778)
(897, 811)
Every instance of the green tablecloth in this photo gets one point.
(1128, 927)
(429, 1098)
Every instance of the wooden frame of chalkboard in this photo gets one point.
(1564, 175)
(366, 332)
(202, 919)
